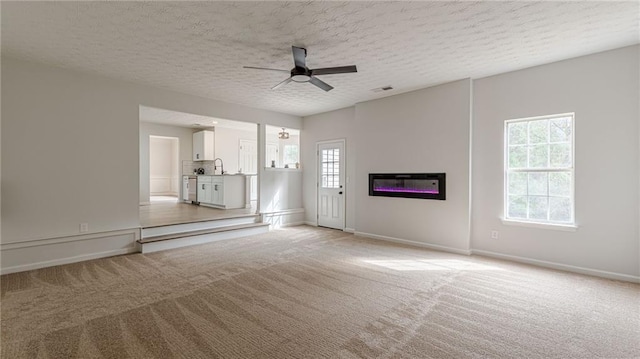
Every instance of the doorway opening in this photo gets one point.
(164, 168)
(170, 169)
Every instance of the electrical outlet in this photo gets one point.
(84, 227)
(494, 234)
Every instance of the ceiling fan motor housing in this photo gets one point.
(300, 74)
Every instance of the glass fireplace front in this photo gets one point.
(408, 185)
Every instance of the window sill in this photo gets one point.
(552, 226)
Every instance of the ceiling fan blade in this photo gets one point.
(323, 85)
(282, 83)
(264, 68)
(299, 56)
(334, 70)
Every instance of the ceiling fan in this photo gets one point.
(301, 73)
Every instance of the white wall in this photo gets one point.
(339, 124)
(281, 189)
(185, 139)
(603, 91)
(227, 142)
(163, 166)
(71, 148)
(423, 131)
(416, 132)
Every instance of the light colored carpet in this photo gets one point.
(305, 292)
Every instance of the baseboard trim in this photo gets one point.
(349, 230)
(559, 266)
(310, 223)
(57, 262)
(71, 238)
(41, 253)
(292, 224)
(284, 218)
(283, 211)
(436, 247)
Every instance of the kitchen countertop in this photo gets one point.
(226, 174)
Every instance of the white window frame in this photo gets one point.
(539, 223)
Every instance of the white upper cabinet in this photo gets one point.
(203, 146)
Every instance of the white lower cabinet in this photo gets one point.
(204, 189)
(217, 195)
(225, 192)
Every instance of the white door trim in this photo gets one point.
(317, 179)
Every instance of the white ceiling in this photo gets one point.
(200, 47)
(181, 119)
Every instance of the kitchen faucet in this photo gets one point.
(216, 167)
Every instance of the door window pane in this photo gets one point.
(330, 168)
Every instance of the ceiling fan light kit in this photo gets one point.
(301, 73)
(300, 78)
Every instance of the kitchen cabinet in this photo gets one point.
(225, 192)
(205, 189)
(203, 146)
(217, 195)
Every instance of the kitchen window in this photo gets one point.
(539, 170)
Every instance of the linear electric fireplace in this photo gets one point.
(408, 185)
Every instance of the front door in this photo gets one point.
(331, 198)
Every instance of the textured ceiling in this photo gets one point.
(200, 47)
(181, 119)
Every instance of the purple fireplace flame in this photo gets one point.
(404, 189)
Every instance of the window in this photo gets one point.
(539, 173)
(331, 168)
(290, 155)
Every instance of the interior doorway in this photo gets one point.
(248, 163)
(331, 183)
(164, 169)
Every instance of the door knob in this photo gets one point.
(340, 192)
